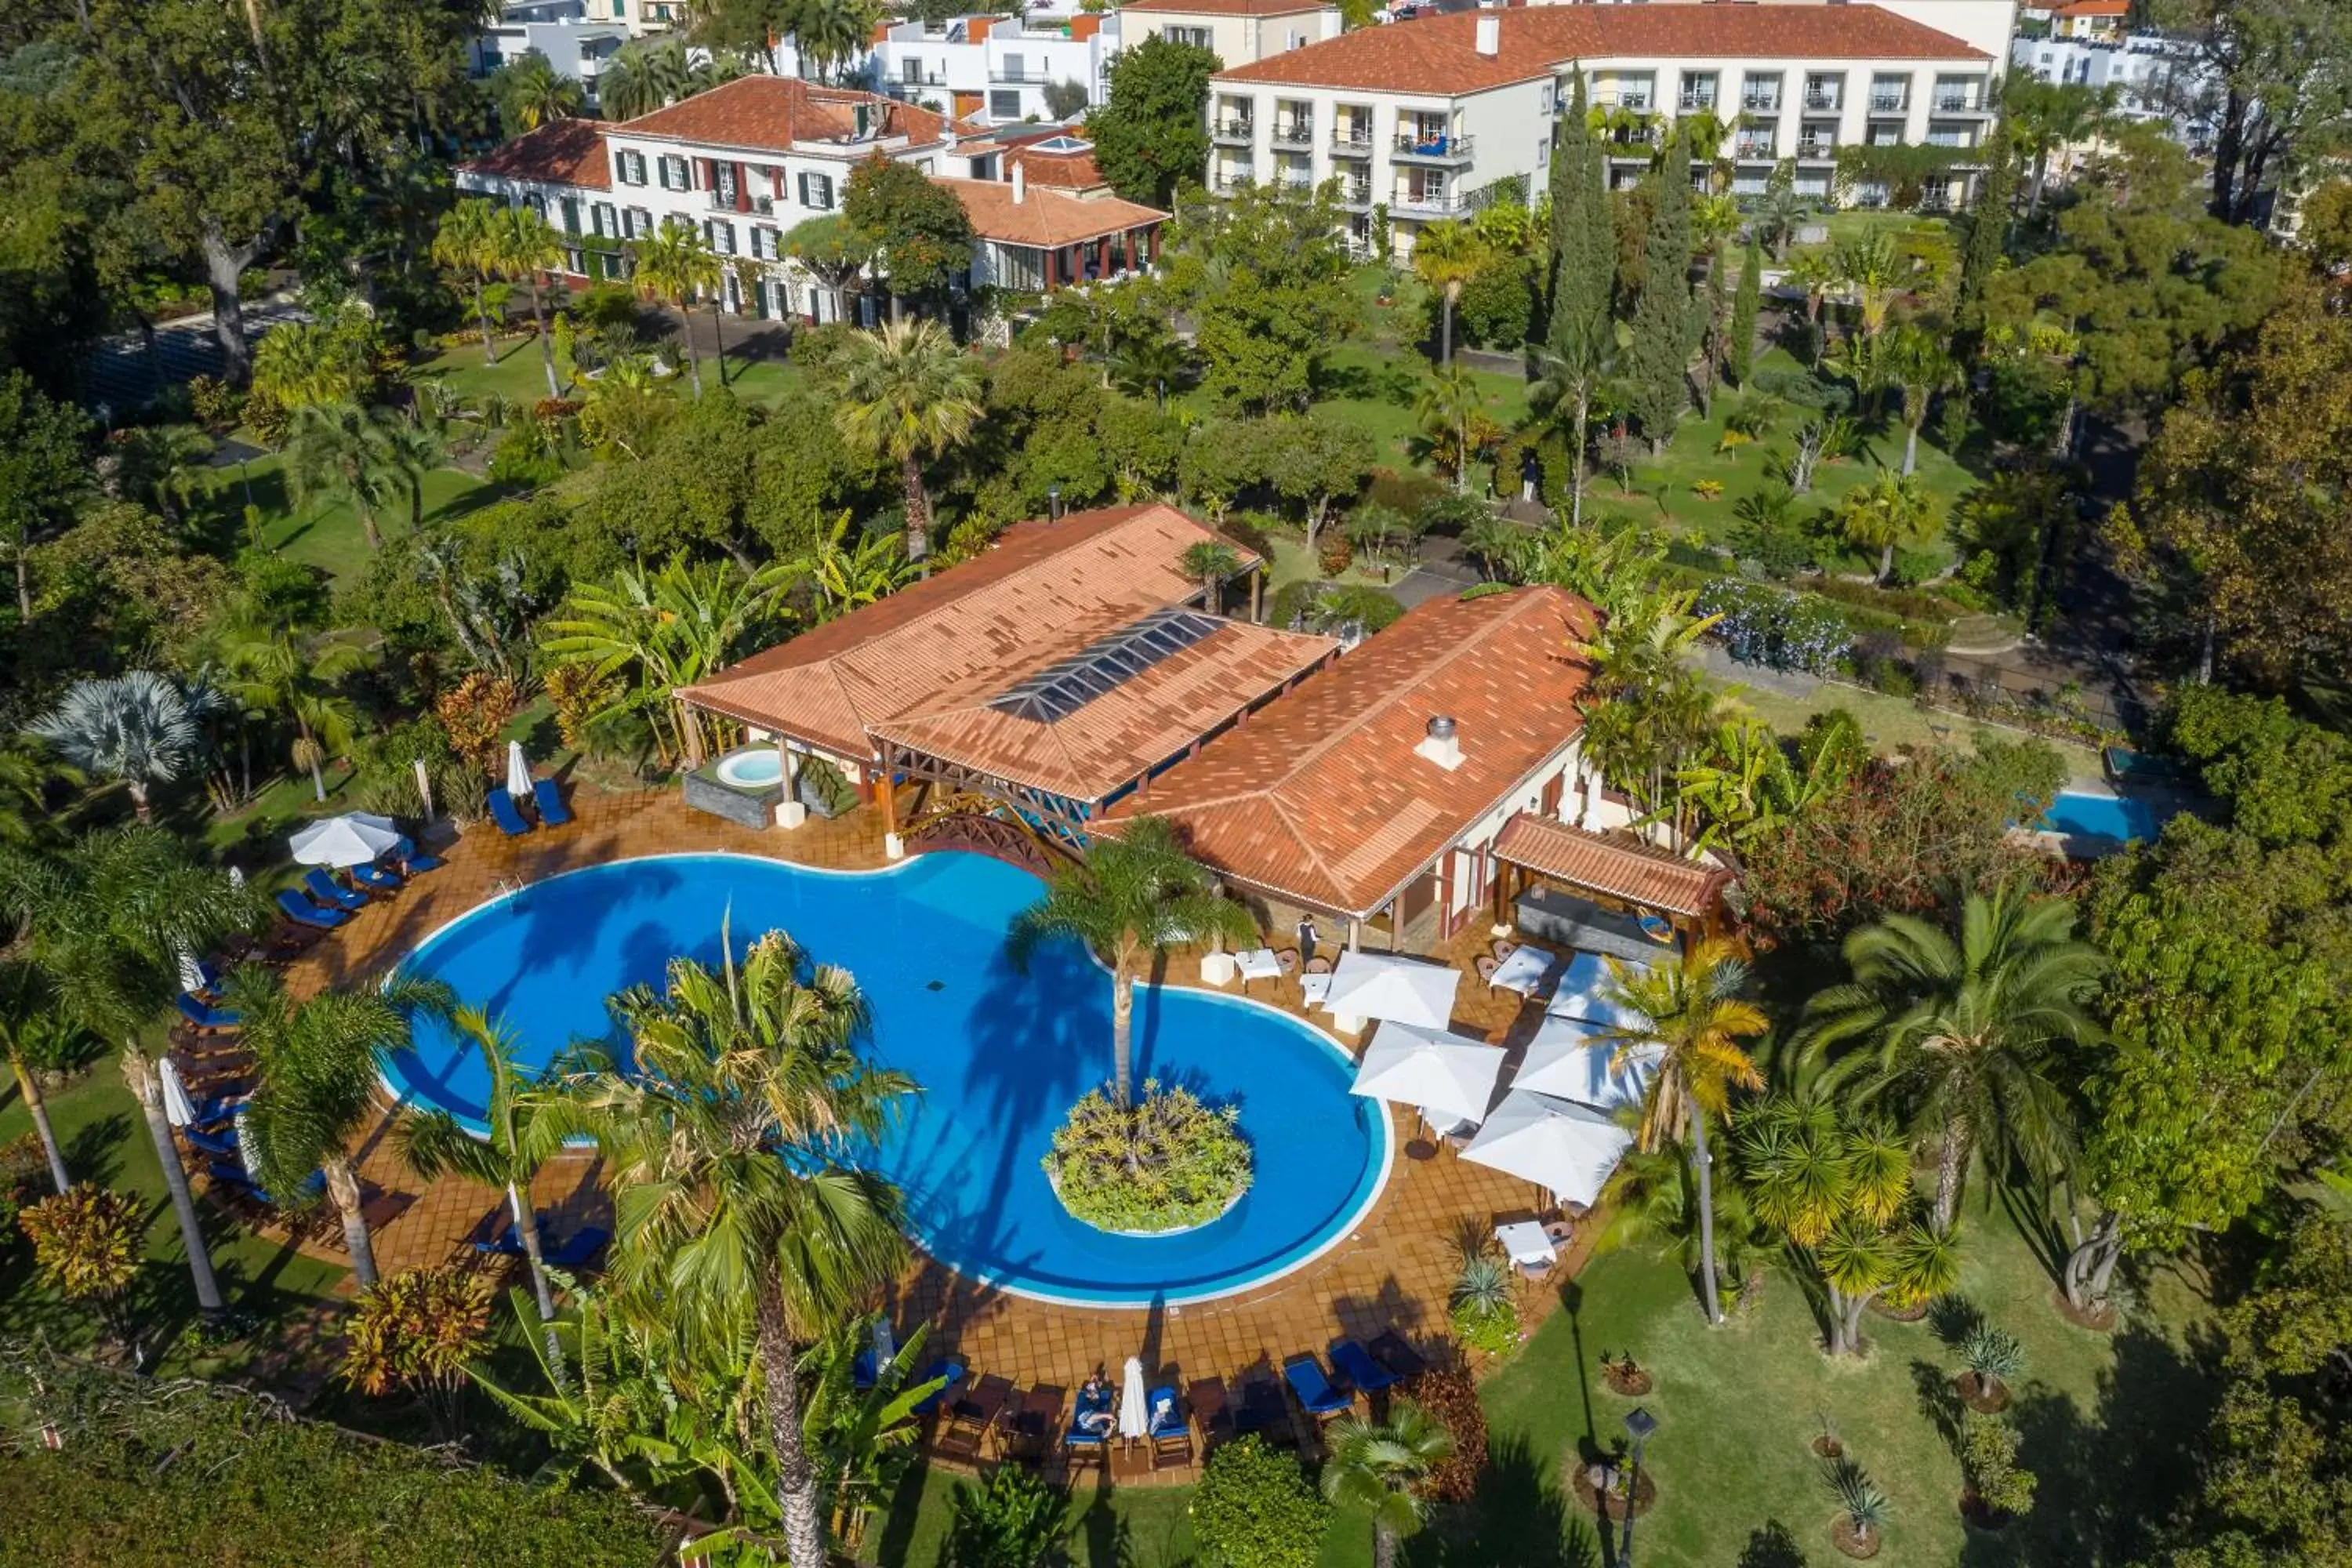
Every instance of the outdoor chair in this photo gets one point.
(1318, 966)
(222, 1145)
(375, 879)
(209, 976)
(323, 890)
(302, 912)
(1026, 1429)
(1288, 959)
(577, 1249)
(971, 1418)
(502, 812)
(1086, 1439)
(1209, 1414)
(1315, 1392)
(1264, 1411)
(552, 812)
(1391, 1351)
(1167, 1432)
(951, 1370)
(205, 1017)
(1487, 968)
(1354, 1362)
(412, 863)
(1503, 948)
(494, 1236)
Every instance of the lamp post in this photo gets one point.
(1639, 1425)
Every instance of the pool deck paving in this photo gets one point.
(1391, 1272)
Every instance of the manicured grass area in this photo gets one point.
(1857, 223)
(328, 534)
(1889, 721)
(519, 377)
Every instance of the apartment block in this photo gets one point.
(1238, 32)
(1428, 118)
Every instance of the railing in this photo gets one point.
(1955, 103)
(1227, 184)
(1290, 180)
(1358, 195)
(1299, 133)
(1949, 138)
(1823, 102)
(1635, 100)
(1888, 102)
(1761, 103)
(1438, 146)
(1352, 143)
(1430, 202)
(1690, 102)
(934, 78)
(1815, 147)
(721, 200)
(1755, 147)
(1231, 131)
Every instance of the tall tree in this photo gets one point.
(1739, 358)
(134, 729)
(105, 919)
(1893, 511)
(273, 669)
(1985, 249)
(1915, 361)
(1446, 255)
(1135, 895)
(1689, 1020)
(1582, 334)
(835, 254)
(1964, 1035)
(1658, 358)
(466, 241)
(42, 468)
(530, 93)
(909, 394)
(673, 264)
(1149, 133)
(369, 457)
(525, 246)
(2283, 68)
(914, 227)
(37, 1037)
(730, 1151)
(316, 1087)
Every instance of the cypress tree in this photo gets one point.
(1988, 233)
(1583, 335)
(1744, 307)
(1663, 321)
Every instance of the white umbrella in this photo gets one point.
(192, 973)
(518, 771)
(1568, 1060)
(1132, 1416)
(1450, 1076)
(178, 1109)
(1558, 1144)
(1401, 990)
(886, 1344)
(354, 838)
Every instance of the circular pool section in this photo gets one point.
(755, 769)
(1000, 1055)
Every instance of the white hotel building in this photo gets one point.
(1424, 117)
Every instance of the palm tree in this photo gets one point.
(523, 245)
(1966, 1033)
(1916, 360)
(1148, 364)
(302, 363)
(1447, 406)
(465, 241)
(1213, 562)
(316, 1086)
(1139, 893)
(105, 919)
(1779, 216)
(530, 93)
(508, 1156)
(1872, 271)
(369, 457)
(673, 264)
(1881, 516)
(1691, 1020)
(831, 33)
(133, 728)
(271, 670)
(728, 1151)
(37, 1037)
(27, 767)
(1816, 272)
(1379, 1468)
(909, 394)
(1446, 255)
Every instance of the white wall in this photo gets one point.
(1237, 41)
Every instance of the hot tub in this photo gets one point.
(756, 767)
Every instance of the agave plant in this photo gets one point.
(1861, 1508)
(1993, 1356)
(1484, 1288)
(135, 728)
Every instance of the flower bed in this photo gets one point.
(1167, 1162)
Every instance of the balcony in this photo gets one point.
(1823, 102)
(1639, 102)
(1428, 203)
(921, 79)
(1889, 102)
(1295, 179)
(1817, 147)
(1356, 196)
(1352, 143)
(1691, 103)
(1226, 182)
(1437, 147)
(720, 201)
(1298, 133)
(1759, 103)
(1233, 132)
(1755, 147)
(1958, 103)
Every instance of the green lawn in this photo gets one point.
(519, 375)
(1889, 722)
(328, 534)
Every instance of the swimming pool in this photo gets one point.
(1001, 1056)
(2085, 813)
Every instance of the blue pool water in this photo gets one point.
(1000, 1056)
(2087, 814)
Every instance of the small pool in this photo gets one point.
(1000, 1056)
(2091, 813)
(758, 768)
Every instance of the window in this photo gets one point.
(910, 71)
(817, 192)
(639, 222)
(725, 185)
(1196, 37)
(607, 220)
(1004, 104)
(537, 202)
(1012, 68)
(722, 237)
(575, 264)
(632, 166)
(675, 174)
(571, 217)
(764, 243)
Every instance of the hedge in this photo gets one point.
(177, 1473)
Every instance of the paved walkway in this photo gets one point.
(1394, 1272)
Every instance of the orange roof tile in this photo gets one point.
(1440, 53)
(1614, 865)
(1045, 217)
(1061, 170)
(559, 153)
(772, 112)
(1225, 7)
(1321, 797)
(1040, 593)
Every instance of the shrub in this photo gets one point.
(525, 455)
(1011, 1519)
(1484, 1306)
(1781, 630)
(578, 692)
(1449, 1393)
(23, 1167)
(1707, 490)
(473, 713)
(1913, 567)
(819, 349)
(1497, 306)
(268, 419)
(1993, 1354)
(1255, 1509)
(1334, 553)
(1860, 1503)
(416, 1331)
(1163, 1164)
(214, 401)
(1989, 1455)
(85, 1244)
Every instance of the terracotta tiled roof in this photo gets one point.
(1225, 7)
(561, 152)
(2097, 9)
(1440, 53)
(1069, 166)
(1043, 592)
(1045, 217)
(772, 112)
(1091, 752)
(1613, 865)
(1321, 797)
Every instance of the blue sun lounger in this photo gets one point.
(943, 1368)
(222, 1144)
(303, 913)
(375, 879)
(205, 1015)
(1316, 1394)
(552, 812)
(322, 889)
(578, 1248)
(1354, 1362)
(406, 853)
(502, 812)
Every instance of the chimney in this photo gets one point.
(1441, 745)
(1020, 180)
(1490, 35)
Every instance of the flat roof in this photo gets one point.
(1322, 799)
